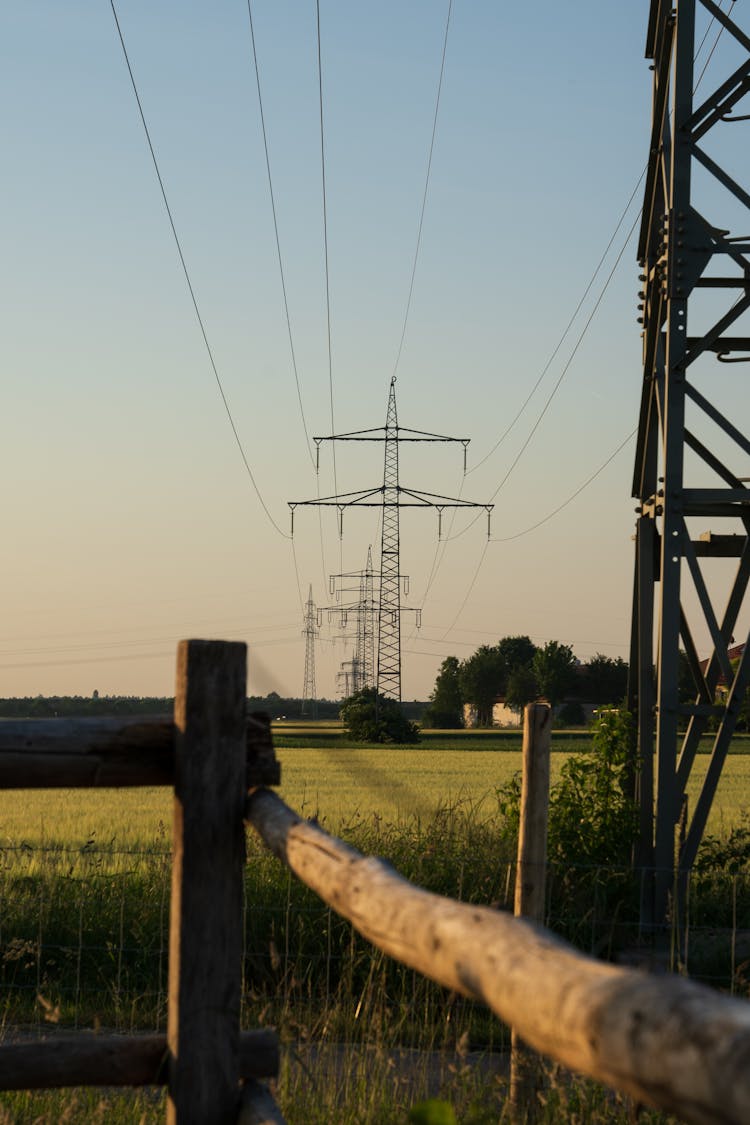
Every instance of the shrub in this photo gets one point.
(593, 824)
(371, 717)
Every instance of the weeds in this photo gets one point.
(83, 942)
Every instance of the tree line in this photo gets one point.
(518, 671)
(89, 706)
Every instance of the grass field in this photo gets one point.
(84, 916)
(339, 786)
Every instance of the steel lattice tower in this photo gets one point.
(366, 625)
(389, 612)
(310, 633)
(391, 497)
(691, 463)
(361, 668)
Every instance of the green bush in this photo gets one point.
(369, 716)
(593, 824)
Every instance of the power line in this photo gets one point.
(450, 537)
(96, 659)
(716, 43)
(566, 368)
(276, 233)
(569, 325)
(547, 518)
(283, 287)
(532, 637)
(437, 563)
(593, 277)
(562, 375)
(571, 498)
(189, 282)
(426, 185)
(472, 584)
(325, 239)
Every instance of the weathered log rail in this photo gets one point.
(79, 753)
(667, 1041)
(115, 1060)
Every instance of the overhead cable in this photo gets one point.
(562, 375)
(325, 240)
(568, 326)
(199, 318)
(528, 530)
(276, 234)
(426, 185)
(571, 498)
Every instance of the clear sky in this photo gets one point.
(129, 519)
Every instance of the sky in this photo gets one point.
(131, 517)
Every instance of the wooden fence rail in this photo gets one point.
(115, 1060)
(667, 1041)
(79, 753)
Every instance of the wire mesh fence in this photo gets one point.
(84, 937)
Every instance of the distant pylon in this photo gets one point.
(389, 614)
(359, 672)
(390, 497)
(310, 633)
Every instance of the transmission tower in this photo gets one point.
(361, 669)
(310, 633)
(691, 456)
(391, 497)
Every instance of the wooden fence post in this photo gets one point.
(205, 940)
(531, 870)
(531, 873)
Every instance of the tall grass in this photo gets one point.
(84, 942)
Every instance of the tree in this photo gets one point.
(482, 679)
(517, 652)
(369, 716)
(606, 679)
(446, 707)
(553, 666)
(521, 688)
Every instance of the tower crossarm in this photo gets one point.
(404, 434)
(361, 496)
(389, 433)
(434, 500)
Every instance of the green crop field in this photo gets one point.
(339, 786)
(85, 884)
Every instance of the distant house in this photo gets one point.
(734, 654)
(505, 716)
(502, 715)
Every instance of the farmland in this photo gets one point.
(340, 786)
(85, 891)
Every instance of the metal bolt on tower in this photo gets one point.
(391, 497)
(691, 465)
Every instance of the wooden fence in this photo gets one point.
(664, 1040)
(212, 755)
